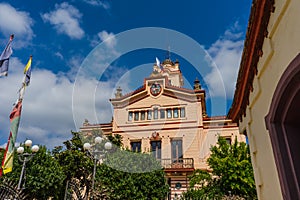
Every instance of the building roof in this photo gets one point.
(256, 32)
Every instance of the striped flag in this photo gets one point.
(7, 162)
(4, 58)
(27, 72)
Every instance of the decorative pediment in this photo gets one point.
(155, 90)
(163, 86)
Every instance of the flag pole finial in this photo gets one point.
(12, 36)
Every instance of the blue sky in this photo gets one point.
(64, 38)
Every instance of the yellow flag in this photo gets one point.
(28, 65)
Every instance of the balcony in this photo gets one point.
(178, 164)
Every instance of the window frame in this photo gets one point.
(149, 114)
(169, 113)
(157, 144)
(155, 113)
(143, 115)
(182, 112)
(164, 113)
(136, 113)
(175, 113)
(137, 145)
(130, 116)
(178, 144)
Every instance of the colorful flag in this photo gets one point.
(7, 162)
(27, 72)
(4, 58)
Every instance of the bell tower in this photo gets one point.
(170, 70)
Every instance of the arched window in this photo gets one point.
(283, 123)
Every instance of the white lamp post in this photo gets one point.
(24, 158)
(97, 154)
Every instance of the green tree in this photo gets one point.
(74, 161)
(232, 174)
(78, 164)
(123, 175)
(131, 175)
(72, 158)
(44, 176)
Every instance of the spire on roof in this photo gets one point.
(168, 58)
(169, 53)
(197, 85)
(118, 94)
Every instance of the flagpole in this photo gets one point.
(7, 162)
(26, 79)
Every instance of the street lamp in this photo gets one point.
(24, 158)
(97, 153)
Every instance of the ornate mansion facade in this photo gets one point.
(168, 121)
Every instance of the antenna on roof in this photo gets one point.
(169, 53)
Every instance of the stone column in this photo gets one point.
(146, 145)
(166, 147)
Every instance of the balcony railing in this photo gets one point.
(179, 163)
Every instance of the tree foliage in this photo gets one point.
(123, 175)
(131, 175)
(73, 159)
(232, 174)
(44, 176)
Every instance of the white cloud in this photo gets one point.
(55, 104)
(16, 22)
(65, 19)
(74, 63)
(59, 55)
(100, 3)
(47, 114)
(226, 55)
(109, 39)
